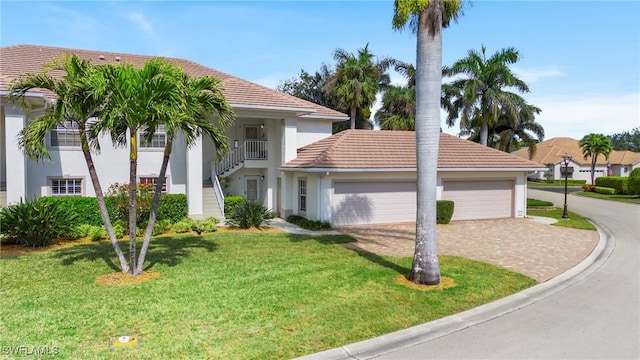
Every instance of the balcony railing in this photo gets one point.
(250, 150)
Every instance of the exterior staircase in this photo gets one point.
(211, 205)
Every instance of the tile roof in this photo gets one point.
(371, 149)
(20, 59)
(551, 151)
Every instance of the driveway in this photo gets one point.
(537, 250)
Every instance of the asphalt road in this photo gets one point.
(597, 317)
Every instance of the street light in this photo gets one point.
(565, 159)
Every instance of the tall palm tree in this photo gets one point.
(200, 98)
(426, 18)
(482, 87)
(357, 80)
(592, 146)
(398, 110)
(521, 132)
(75, 105)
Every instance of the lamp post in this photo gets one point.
(565, 159)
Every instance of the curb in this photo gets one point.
(371, 348)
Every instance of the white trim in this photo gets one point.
(275, 108)
(326, 117)
(346, 170)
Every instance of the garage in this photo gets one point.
(367, 202)
(490, 199)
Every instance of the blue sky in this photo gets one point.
(581, 59)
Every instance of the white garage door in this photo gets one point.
(480, 199)
(356, 203)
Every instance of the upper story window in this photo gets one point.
(66, 187)
(158, 141)
(65, 135)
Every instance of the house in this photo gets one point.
(368, 177)
(550, 152)
(283, 154)
(270, 126)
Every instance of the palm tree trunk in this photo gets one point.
(594, 159)
(484, 129)
(104, 214)
(154, 206)
(353, 117)
(425, 268)
(133, 200)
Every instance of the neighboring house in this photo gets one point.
(270, 126)
(368, 177)
(550, 152)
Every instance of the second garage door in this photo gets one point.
(480, 199)
(356, 203)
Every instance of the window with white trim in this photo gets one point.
(65, 135)
(158, 141)
(66, 187)
(302, 194)
(154, 181)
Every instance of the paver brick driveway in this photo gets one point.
(522, 245)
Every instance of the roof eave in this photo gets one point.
(440, 169)
(297, 111)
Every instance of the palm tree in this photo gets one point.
(427, 18)
(593, 145)
(200, 98)
(398, 110)
(482, 91)
(522, 132)
(357, 80)
(75, 106)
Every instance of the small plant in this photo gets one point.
(588, 187)
(183, 226)
(209, 224)
(249, 213)
(97, 233)
(36, 223)
(605, 190)
(444, 211)
(119, 230)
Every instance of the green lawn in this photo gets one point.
(575, 221)
(555, 183)
(228, 295)
(635, 199)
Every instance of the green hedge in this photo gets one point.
(231, 202)
(444, 211)
(634, 182)
(605, 190)
(173, 207)
(620, 183)
(305, 223)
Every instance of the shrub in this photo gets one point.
(183, 225)
(308, 224)
(37, 223)
(97, 233)
(209, 224)
(85, 208)
(249, 213)
(605, 190)
(119, 230)
(536, 202)
(173, 207)
(616, 182)
(83, 230)
(633, 183)
(230, 203)
(444, 211)
(588, 187)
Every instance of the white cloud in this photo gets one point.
(534, 74)
(576, 117)
(139, 20)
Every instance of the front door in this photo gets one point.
(251, 132)
(251, 187)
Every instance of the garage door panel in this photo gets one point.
(373, 202)
(480, 199)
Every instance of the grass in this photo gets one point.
(575, 221)
(634, 199)
(538, 203)
(228, 295)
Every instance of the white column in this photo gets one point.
(520, 207)
(324, 198)
(288, 196)
(15, 120)
(272, 171)
(195, 179)
(289, 139)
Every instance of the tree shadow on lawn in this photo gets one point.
(167, 250)
(345, 239)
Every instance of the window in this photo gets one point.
(154, 181)
(66, 135)
(66, 187)
(302, 194)
(159, 139)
